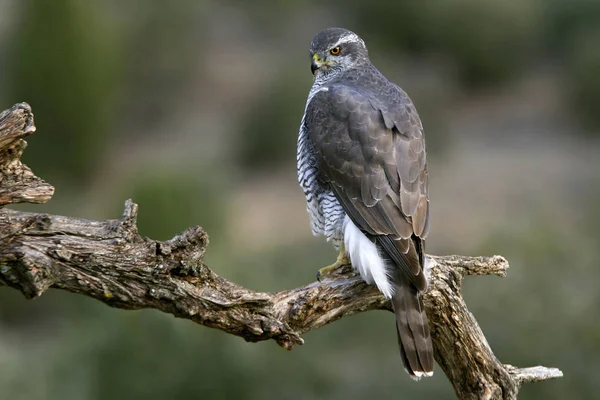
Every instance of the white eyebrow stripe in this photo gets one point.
(349, 38)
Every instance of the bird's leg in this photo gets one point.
(341, 260)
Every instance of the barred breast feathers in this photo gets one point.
(326, 214)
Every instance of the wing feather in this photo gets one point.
(372, 153)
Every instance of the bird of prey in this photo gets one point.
(362, 167)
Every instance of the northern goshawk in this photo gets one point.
(362, 167)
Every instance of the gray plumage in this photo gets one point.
(361, 155)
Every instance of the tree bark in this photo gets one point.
(110, 261)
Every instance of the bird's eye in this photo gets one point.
(335, 51)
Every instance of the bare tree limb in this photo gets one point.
(17, 183)
(110, 261)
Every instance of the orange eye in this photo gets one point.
(335, 51)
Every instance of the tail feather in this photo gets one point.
(412, 327)
(396, 266)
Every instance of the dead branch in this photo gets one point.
(110, 261)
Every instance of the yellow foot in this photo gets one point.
(341, 261)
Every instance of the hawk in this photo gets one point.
(362, 167)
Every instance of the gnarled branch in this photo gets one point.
(110, 261)
(17, 183)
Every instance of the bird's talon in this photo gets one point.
(340, 262)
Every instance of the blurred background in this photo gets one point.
(192, 109)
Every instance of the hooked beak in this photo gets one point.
(315, 64)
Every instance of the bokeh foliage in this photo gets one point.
(474, 35)
(119, 90)
(64, 62)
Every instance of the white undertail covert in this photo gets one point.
(365, 258)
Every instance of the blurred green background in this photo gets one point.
(192, 109)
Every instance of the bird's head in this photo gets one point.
(335, 50)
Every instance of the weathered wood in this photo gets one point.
(110, 261)
(17, 183)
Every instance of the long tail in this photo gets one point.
(397, 267)
(413, 331)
